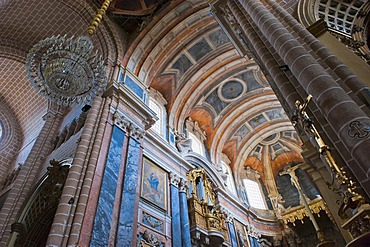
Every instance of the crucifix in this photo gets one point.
(351, 199)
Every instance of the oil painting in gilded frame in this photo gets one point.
(154, 184)
(241, 234)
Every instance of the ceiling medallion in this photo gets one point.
(66, 70)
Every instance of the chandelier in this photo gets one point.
(66, 70)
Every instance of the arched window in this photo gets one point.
(196, 144)
(254, 194)
(228, 177)
(157, 127)
(156, 104)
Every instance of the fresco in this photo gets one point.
(154, 184)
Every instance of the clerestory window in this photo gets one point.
(196, 144)
(254, 194)
(157, 127)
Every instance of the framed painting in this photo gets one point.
(154, 184)
(241, 234)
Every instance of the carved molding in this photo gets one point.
(152, 221)
(149, 239)
(174, 179)
(359, 224)
(298, 213)
(128, 126)
(183, 185)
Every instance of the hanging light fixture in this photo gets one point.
(66, 70)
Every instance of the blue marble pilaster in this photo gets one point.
(127, 222)
(175, 213)
(233, 239)
(104, 211)
(184, 216)
(253, 241)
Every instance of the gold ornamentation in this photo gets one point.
(203, 211)
(345, 185)
(298, 213)
(98, 17)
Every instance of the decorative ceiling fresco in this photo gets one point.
(189, 59)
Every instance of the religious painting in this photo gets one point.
(154, 184)
(241, 234)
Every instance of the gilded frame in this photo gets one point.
(154, 184)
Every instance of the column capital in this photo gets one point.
(183, 185)
(174, 179)
(128, 126)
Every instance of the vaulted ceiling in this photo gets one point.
(184, 54)
(178, 49)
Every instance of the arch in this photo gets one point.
(36, 216)
(10, 140)
(197, 160)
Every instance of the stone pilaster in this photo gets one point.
(184, 215)
(127, 225)
(230, 226)
(175, 210)
(30, 169)
(84, 193)
(65, 212)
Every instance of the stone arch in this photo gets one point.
(36, 216)
(10, 139)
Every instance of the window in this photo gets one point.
(254, 194)
(157, 104)
(196, 144)
(157, 127)
(228, 177)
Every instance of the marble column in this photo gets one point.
(233, 240)
(184, 214)
(26, 177)
(62, 221)
(127, 226)
(104, 211)
(175, 210)
(341, 112)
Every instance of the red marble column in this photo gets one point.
(343, 72)
(26, 178)
(61, 226)
(88, 221)
(87, 181)
(336, 106)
